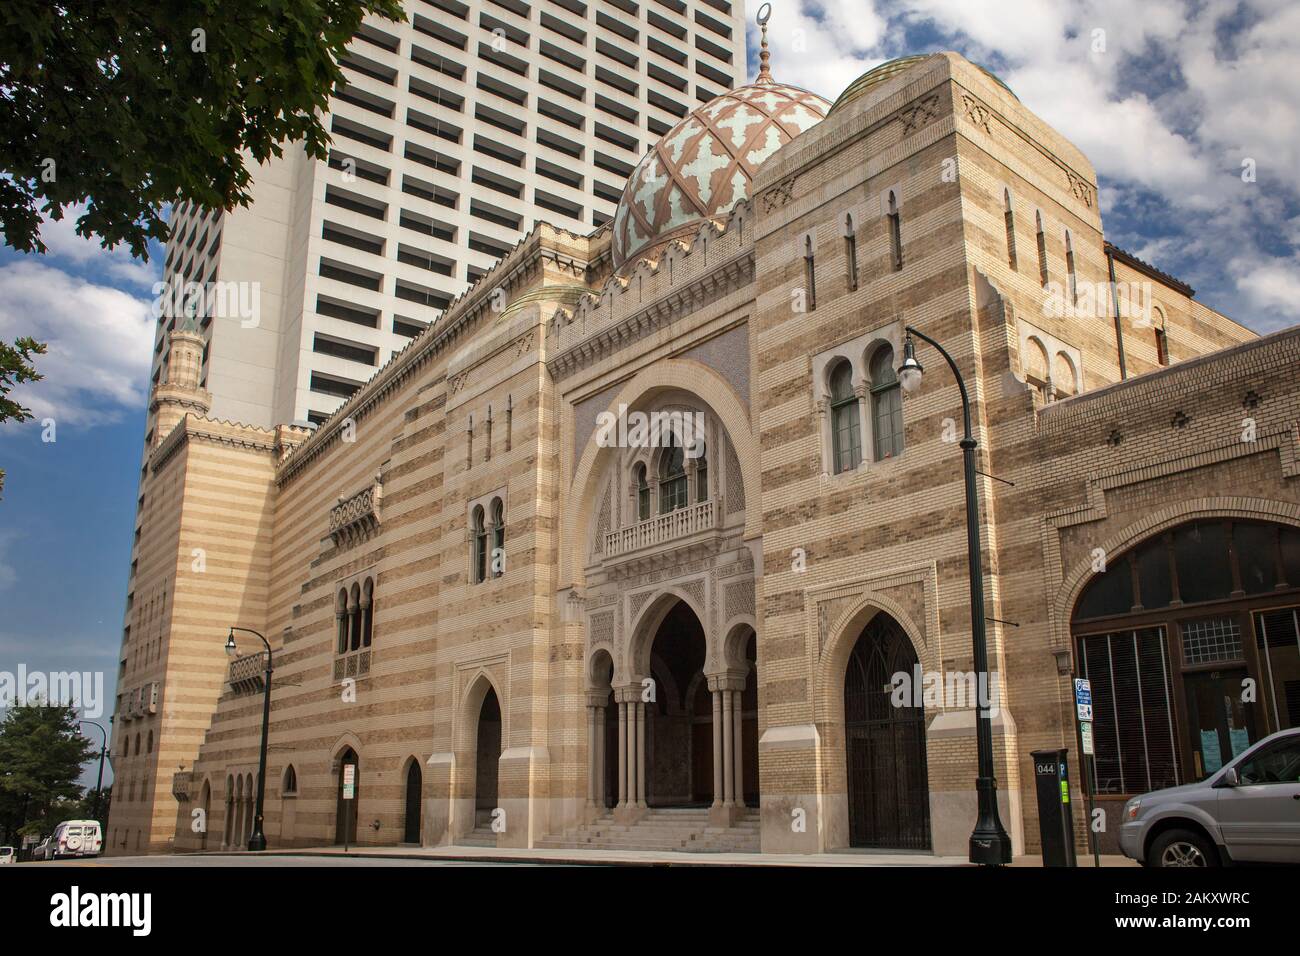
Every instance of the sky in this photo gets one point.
(1167, 98)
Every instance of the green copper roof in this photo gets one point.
(887, 70)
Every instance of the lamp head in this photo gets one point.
(910, 372)
(230, 643)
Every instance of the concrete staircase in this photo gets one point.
(680, 830)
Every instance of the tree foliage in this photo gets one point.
(130, 105)
(41, 753)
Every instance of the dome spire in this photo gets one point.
(764, 71)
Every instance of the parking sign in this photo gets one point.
(1083, 698)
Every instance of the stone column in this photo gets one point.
(591, 756)
(640, 753)
(622, 754)
(728, 749)
(600, 759)
(737, 727)
(717, 747)
(866, 425)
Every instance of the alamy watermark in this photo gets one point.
(24, 688)
(223, 300)
(662, 429)
(1097, 300)
(946, 690)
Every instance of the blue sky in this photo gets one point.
(1176, 97)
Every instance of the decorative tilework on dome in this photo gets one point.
(705, 163)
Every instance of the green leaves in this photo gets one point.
(41, 753)
(16, 368)
(133, 117)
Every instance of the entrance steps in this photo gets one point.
(685, 830)
(479, 836)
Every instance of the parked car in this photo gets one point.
(1248, 811)
(42, 851)
(75, 838)
(7, 855)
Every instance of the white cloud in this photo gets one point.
(65, 246)
(98, 340)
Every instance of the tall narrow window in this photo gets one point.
(1162, 346)
(498, 538)
(487, 436)
(510, 420)
(1069, 269)
(478, 546)
(672, 477)
(367, 612)
(354, 613)
(341, 616)
(1042, 249)
(702, 472)
(895, 232)
(846, 428)
(469, 443)
(1009, 218)
(809, 273)
(851, 252)
(642, 494)
(886, 405)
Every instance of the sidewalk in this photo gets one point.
(596, 857)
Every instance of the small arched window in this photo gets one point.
(809, 273)
(895, 232)
(846, 428)
(1162, 337)
(341, 618)
(1009, 218)
(137, 745)
(290, 781)
(1064, 377)
(1073, 279)
(1042, 248)
(367, 611)
(478, 546)
(354, 613)
(851, 252)
(498, 538)
(672, 476)
(149, 744)
(642, 494)
(886, 405)
(701, 471)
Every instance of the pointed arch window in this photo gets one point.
(886, 405)
(367, 612)
(498, 538)
(341, 618)
(846, 427)
(672, 477)
(702, 472)
(478, 546)
(1009, 218)
(895, 219)
(290, 787)
(809, 273)
(354, 617)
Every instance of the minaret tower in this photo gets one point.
(181, 392)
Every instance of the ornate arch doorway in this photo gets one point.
(487, 758)
(679, 721)
(889, 797)
(414, 784)
(345, 817)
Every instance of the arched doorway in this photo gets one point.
(487, 757)
(414, 785)
(345, 811)
(889, 798)
(679, 729)
(228, 831)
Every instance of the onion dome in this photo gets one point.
(705, 164)
(887, 71)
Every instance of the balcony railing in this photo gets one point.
(247, 673)
(181, 782)
(662, 528)
(355, 664)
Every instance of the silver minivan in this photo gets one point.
(1246, 812)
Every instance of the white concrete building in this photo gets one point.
(456, 131)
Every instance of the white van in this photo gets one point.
(73, 838)
(7, 855)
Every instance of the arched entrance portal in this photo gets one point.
(889, 800)
(345, 811)
(679, 721)
(487, 759)
(414, 784)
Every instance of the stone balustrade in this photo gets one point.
(661, 529)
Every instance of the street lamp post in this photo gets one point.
(258, 840)
(103, 751)
(989, 843)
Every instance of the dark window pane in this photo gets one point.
(1111, 592)
(1291, 556)
(1153, 574)
(1256, 556)
(1201, 551)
